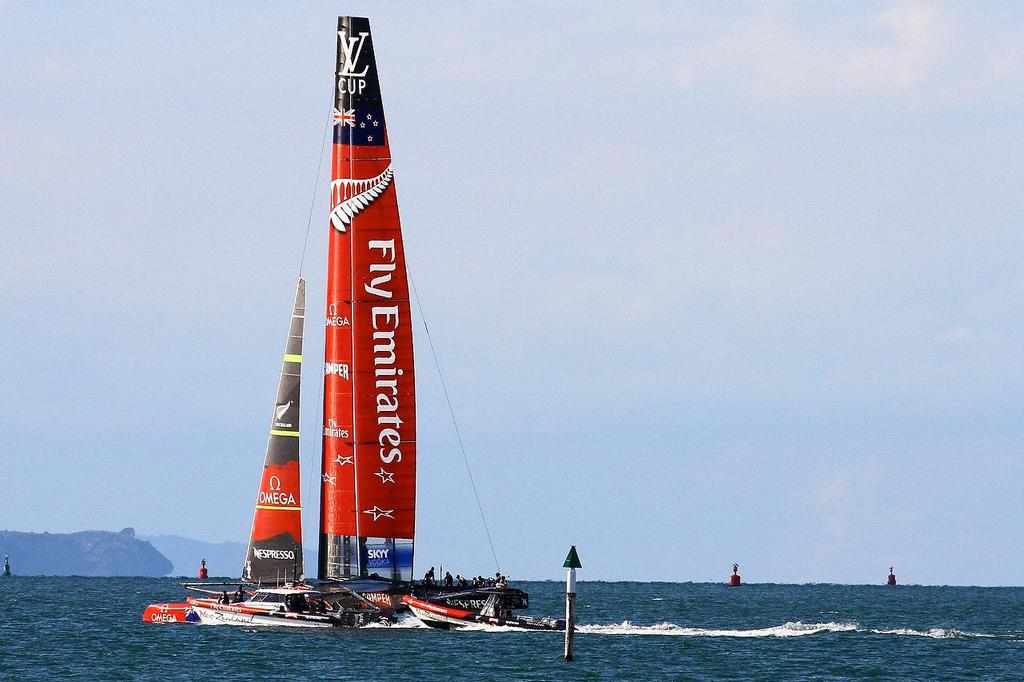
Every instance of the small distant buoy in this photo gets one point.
(734, 579)
(203, 573)
(892, 577)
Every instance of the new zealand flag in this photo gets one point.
(363, 125)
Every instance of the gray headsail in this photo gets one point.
(275, 544)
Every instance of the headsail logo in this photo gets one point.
(332, 430)
(379, 513)
(349, 196)
(274, 497)
(334, 319)
(351, 48)
(351, 80)
(339, 369)
(378, 557)
(346, 117)
(279, 413)
(386, 372)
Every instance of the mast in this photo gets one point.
(275, 544)
(368, 467)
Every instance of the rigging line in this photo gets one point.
(308, 485)
(451, 411)
(316, 184)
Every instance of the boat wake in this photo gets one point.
(791, 629)
(934, 633)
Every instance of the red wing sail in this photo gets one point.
(368, 486)
(275, 544)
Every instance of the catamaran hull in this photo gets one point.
(211, 612)
(175, 612)
(447, 617)
(216, 617)
(441, 617)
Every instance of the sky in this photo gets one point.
(707, 282)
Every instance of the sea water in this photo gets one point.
(92, 628)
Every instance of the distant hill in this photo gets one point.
(86, 553)
(223, 559)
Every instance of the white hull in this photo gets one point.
(214, 617)
(429, 617)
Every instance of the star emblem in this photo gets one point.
(380, 513)
(385, 476)
(369, 117)
(376, 123)
(330, 479)
(369, 138)
(362, 125)
(342, 461)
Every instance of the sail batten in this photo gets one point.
(368, 467)
(274, 553)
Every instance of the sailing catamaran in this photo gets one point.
(368, 461)
(368, 465)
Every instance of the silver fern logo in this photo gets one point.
(350, 196)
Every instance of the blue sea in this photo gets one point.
(92, 628)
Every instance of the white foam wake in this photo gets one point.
(791, 629)
(406, 621)
(934, 633)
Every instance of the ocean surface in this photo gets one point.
(92, 628)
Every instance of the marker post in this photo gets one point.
(572, 562)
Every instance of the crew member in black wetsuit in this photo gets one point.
(428, 577)
(447, 578)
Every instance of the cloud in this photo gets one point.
(904, 52)
(959, 335)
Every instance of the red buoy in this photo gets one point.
(734, 579)
(892, 577)
(203, 573)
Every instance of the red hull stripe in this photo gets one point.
(461, 614)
